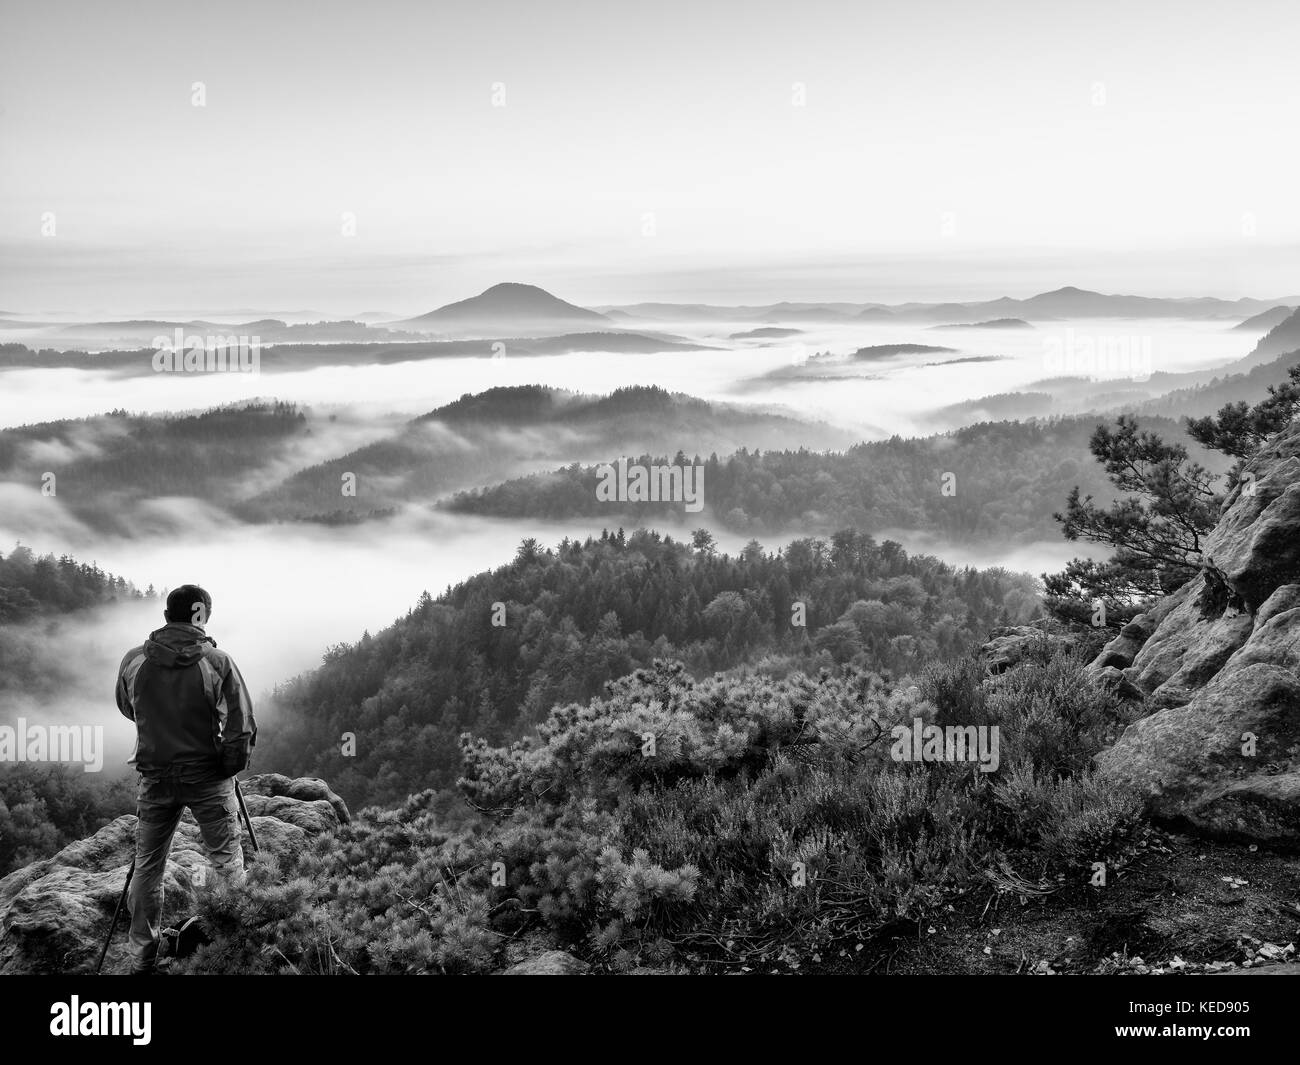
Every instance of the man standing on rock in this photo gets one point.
(194, 733)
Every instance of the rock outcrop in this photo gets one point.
(1219, 664)
(551, 963)
(55, 913)
(1007, 646)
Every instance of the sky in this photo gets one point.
(395, 156)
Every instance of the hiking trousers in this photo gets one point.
(159, 806)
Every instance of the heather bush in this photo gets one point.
(726, 819)
(1060, 825)
(1052, 715)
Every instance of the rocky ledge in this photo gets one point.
(55, 913)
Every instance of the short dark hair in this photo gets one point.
(190, 604)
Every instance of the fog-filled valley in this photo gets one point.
(806, 421)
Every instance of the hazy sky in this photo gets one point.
(732, 152)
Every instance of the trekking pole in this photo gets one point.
(116, 912)
(248, 822)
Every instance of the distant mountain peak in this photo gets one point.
(516, 290)
(510, 302)
(1068, 292)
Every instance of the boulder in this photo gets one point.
(1197, 764)
(552, 963)
(1113, 678)
(312, 817)
(1121, 651)
(55, 913)
(306, 789)
(1007, 646)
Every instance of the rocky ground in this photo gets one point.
(1178, 905)
(54, 914)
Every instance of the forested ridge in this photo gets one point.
(32, 585)
(273, 461)
(994, 482)
(1007, 479)
(574, 617)
(485, 437)
(103, 465)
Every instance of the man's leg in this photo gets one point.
(158, 813)
(217, 811)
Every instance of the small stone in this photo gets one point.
(551, 963)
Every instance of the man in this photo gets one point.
(194, 732)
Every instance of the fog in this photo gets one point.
(282, 594)
(78, 656)
(892, 396)
(1036, 558)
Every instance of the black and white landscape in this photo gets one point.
(804, 492)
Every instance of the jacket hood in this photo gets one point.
(176, 645)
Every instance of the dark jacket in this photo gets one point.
(193, 718)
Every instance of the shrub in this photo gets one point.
(732, 818)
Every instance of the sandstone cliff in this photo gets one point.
(1218, 662)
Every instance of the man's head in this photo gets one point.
(188, 604)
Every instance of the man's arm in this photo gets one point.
(123, 695)
(239, 734)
